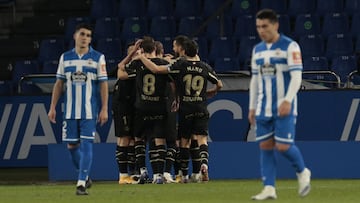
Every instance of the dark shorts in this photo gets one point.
(193, 124)
(149, 125)
(124, 124)
(171, 127)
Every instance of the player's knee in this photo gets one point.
(282, 147)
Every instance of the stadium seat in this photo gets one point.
(246, 46)
(307, 24)
(343, 65)
(106, 28)
(339, 45)
(70, 25)
(244, 26)
(110, 47)
(134, 27)
(203, 47)
(162, 26)
(297, 7)
(315, 63)
(111, 64)
(284, 24)
(160, 8)
(280, 6)
(222, 47)
(6, 88)
(22, 68)
(243, 7)
(189, 25)
(184, 8)
(329, 6)
(335, 23)
(103, 8)
(312, 45)
(219, 27)
(352, 6)
(6, 68)
(355, 25)
(51, 49)
(211, 6)
(132, 8)
(223, 65)
(50, 67)
(167, 44)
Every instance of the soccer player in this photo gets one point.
(191, 76)
(82, 71)
(151, 111)
(123, 114)
(276, 79)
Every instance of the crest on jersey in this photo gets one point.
(268, 70)
(90, 61)
(78, 78)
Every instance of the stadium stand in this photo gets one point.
(185, 8)
(296, 7)
(343, 66)
(22, 68)
(339, 45)
(352, 7)
(51, 49)
(110, 47)
(134, 27)
(222, 47)
(307, 24)
(329, 6)
(225, 65)
(160, 8)
(243, 7)
(246, 45)
(189, 24)
(280, 6)
(133, 8)
(50, 67)
(221, 26)
(244, 26)
(312, 45)
(103, 8)
(335, 23)
(315, 63)
(106, 28)
(162, 26)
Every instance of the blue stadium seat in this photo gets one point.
(134, 27)
(280, 6)
(211, 6)
(103, 8)
(110, 47)
(343, 65)
(71, 23)
(132, 8)
(355, 25)
(184, 8)
(160, 8)
(307, 24)
(243, 7)
(162, 26)
(335, 23)
(51, 49)
(222, 47)
(297, 7)
(312, 45)
(246, 45)
(339, 45)
(203, 48)
(219, 27)
(50, 67)
(6, 88)
(167, 44)
(189, 25)
(22, 68)
(106, 28)
(244, 26)
(329, 6)
(315, 63)
(111, 64)
(352, 6)
(284, 24)
(223, 65)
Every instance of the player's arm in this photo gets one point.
(152, 66)
(213, 91)
(56, 94)
(104, 94)
(295, 68)
(121, 73)
(253, 91)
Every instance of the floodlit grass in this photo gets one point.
(227, 191)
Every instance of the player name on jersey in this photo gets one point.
(149, 98)
(192, 99)
(194, 68)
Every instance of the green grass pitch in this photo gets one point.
(227, 191)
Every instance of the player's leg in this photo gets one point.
(140, 147)
(171, 148)
(264, 135)
(201, 131)
(284, 136)
(195, 159)
(185, 129)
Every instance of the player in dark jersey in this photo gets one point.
(151, 111)
(123, 114)
(191, 76)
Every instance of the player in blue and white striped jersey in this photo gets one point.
(82, 71)
(276, 79)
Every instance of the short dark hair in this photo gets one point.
(148, 44)
(191, 48)
(159, 48)
(269, 14)
(180, 40)
(83, 25)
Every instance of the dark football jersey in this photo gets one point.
(191, 79)
(124, 96)
(151, 89)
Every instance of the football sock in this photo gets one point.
(195, 156)
(294, 155)
(204, 154)
(75, 156)
(140, 154)
(184, 158)
(86, 147)
(170, 157)
(121, 158)
(268, 166)
(131, 159)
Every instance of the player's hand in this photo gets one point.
(211, 93)
(103, 117)
(284, 108)
(52, 115)
(174, 106)
(251, 116)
